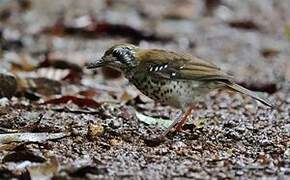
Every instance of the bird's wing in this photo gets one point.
(171, 65)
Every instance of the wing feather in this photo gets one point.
(166, 64)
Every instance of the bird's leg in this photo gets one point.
(177, 118)
(184, 118)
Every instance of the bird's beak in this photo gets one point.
(96, 64)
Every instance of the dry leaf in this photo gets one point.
(150, 120)
(30, 137)
(20, 156)
(81, 102)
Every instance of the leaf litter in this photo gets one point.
(30, 137)
(153, 121)
(95, 124)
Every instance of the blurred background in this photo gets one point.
(248, 39)
(44, 87)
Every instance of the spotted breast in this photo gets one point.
(177, 93)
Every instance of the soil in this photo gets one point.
(87, 119)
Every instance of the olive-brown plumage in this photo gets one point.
(168, 77)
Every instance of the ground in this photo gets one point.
(59, 120)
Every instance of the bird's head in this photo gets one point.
(120, 56)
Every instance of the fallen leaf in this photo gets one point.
(7, 130)
(81, 102)
(244, 24)
(89, 93)
(46, 86)
(73, 77)
(151, 120)
(73, 72)
(8, 147)
(30, 137)
(54, 62)
(42, 86)
(95, 29)
(23, 156)
(52, 73)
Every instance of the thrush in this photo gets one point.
(171, 78)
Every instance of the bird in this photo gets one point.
(175, 79)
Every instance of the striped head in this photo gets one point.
(120, 56)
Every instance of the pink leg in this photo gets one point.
(173, 124)
(184, 118)
(180, 120)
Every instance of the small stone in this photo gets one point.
(44, 86)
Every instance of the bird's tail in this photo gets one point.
(250, 93)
